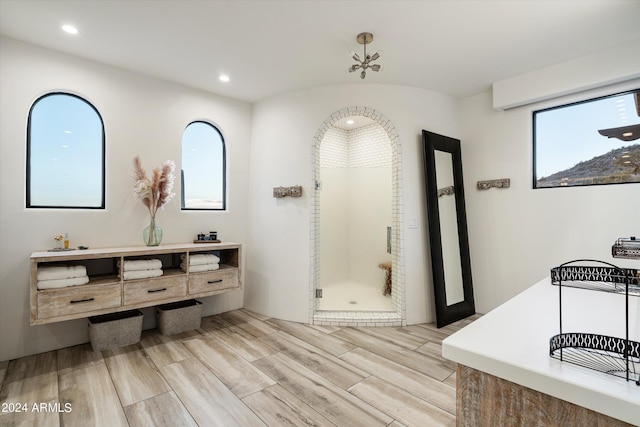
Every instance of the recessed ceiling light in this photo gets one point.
(350, 122)
(69, 29)
(224, 78)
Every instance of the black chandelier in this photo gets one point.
(366, 63)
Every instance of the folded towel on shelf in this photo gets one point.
(200, 267)
(141, 274)
(199, 259)
(62, 283)
(54, 272)
(141, 264)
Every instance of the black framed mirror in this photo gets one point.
(448, 236)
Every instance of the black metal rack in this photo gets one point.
(626, 248)
(612, 355)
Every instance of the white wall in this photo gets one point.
(142, 116)
(516, 235)
(278, 238)
(616, 64)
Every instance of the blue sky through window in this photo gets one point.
(65, 153)
(203, 167)
(569, 135)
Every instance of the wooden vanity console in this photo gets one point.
(107, 291)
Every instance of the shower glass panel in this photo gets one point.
(355, 211)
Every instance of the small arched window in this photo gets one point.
(203, 168)
(65, 154)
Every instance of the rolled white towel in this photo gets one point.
(141, 264)
(62, 283)
(199, 259)
(54, 272)
(200, 267)
(141, 274)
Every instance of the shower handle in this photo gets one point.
(388, 240)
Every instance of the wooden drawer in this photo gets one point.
(77, 299)
(155, 289)
(213, 281)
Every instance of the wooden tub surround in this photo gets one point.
(486, 400)
(506, 377)
(108, 291)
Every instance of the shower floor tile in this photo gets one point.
(353, 296)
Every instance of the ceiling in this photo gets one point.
(269, 47)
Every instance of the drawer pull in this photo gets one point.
(214, 281)
(77, 301)
(156, 290)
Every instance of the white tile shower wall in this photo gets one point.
(369, 148)
(398, 273)
(365, 147)
(334, 150)
(335, 226)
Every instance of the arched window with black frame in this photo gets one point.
(65, 164)
(203, 174)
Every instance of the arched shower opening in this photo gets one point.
(371, 154)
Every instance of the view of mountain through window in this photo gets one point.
(591, 142)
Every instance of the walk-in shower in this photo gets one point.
(357, 263)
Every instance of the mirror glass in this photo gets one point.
(448, 236)
(449, 228)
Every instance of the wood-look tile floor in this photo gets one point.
(241, 369)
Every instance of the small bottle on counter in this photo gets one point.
(66, 240)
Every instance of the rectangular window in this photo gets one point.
(593, 142)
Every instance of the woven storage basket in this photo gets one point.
(179, 316)
(114, 330)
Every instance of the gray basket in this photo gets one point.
(179, 316)
(115, 329)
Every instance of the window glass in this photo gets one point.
(65, 153)
(586, 143)
(203, 167)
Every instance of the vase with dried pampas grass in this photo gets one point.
(154, 193)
